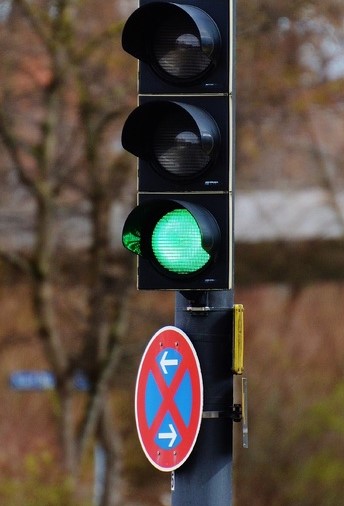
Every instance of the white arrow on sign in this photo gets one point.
(165, 362)
(169, 435)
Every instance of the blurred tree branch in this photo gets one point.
(58, 138)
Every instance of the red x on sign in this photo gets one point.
(168, 399)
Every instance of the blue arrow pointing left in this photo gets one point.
(169, 360)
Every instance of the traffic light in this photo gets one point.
(182, 133)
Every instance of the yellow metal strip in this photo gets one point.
(238, 339)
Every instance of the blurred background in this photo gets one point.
(68, 299)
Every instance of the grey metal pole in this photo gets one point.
(205, 479)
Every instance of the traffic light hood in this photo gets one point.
(170, 129)
(180, 42)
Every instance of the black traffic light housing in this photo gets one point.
(182, 133)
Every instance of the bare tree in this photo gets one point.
(62, 93)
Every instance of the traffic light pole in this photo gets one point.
(183, 134)
(205, 479)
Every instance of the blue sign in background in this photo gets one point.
(43, 380)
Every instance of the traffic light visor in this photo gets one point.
(181, 43)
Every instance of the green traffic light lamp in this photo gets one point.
(178, 238)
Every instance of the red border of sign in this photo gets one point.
(169, 337)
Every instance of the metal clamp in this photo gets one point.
(235, 413)
(199, 310)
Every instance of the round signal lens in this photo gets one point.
(178, 51)
(178, 147)
(177, 243)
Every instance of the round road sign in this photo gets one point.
(168, 399)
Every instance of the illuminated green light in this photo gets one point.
(177, 243)
(132, 241)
